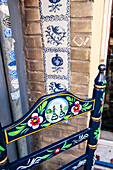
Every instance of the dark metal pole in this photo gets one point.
(7, 44)
(95, 121)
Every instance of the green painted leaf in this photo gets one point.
(45, 156)
(89, 107)
(50, 150)
(67, 117)
(83, 109)
(14, 133)
(67, 146)
(86, 104)
(44, 104)
(2, 149)
(23, 124)
(103, 95)
(45, 125)
(48, 111)
(25, 130)
(21, 127)
(40, 108)
(65, 108)
(68, 98)
(63, 149)
(64, 144)
(42, 111)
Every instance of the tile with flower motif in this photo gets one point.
(56, 33)
(57, 63)
(56, 85)
(54, 8)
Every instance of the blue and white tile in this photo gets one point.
(57, 63)
(54, 8)
(56, 85)
(56, 33)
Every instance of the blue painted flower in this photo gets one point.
(54, 1)
(57, 60)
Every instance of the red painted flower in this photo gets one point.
(57, 150)
(102, 103)
(34, 122)
(75, 109)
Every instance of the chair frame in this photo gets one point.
(28, 125)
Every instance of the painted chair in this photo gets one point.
(48, 111)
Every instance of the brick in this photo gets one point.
(37, 137)
(50, 139)
(81, 26)
(33, 28)
(33, 41)
(47, 139)
(66, 134)
(80, 40)
(66, 127)
(82, 145)
(66, 157)
(79, 89)
(37, 86)
(36, 95)
(31, 102)
(79, 78)
(54, 160)
(36, 76)
(80, 54)
(79, 121)
(81, 10)
(35, 65)
(32, 14)
(52, 166)
(74, 152)
(81, 67)
(31, 3)
(82, 127)
(35, 54)
(51, 132)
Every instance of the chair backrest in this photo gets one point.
(48, 111)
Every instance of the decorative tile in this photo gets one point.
(56, 33)
(57, 63)
(54, 8)
(57, 84)
(55, 24)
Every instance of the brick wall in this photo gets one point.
(81, 29)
